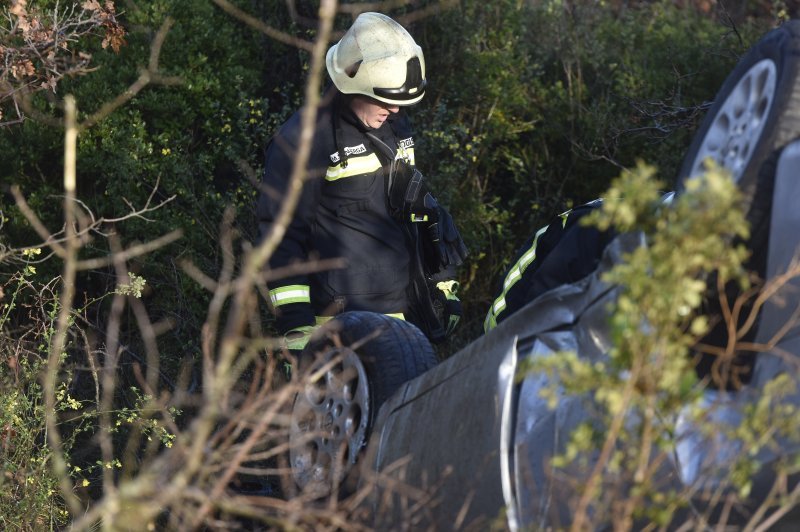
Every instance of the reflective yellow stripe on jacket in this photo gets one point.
(355, 166)
(514, 275)
(295, 293)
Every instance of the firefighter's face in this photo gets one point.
(371, 112)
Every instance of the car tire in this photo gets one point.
(352, 364)
(756, 113)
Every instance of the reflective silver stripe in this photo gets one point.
(355, 166)
(290, 294)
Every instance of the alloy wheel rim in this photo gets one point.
(739, 123)
(329, 421)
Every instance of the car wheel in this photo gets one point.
(755, 114)
(353, 364)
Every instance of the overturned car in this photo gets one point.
(470, 441)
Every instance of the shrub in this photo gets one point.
(534, 107)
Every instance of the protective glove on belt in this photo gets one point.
(411, 200)
(448, 305)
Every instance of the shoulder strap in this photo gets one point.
(391, 175)
(381, 146)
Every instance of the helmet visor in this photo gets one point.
(412, 88)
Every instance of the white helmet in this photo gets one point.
(378, 58)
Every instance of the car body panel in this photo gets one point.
(454, 414)
(465, 445)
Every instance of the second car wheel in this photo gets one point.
(352, 365)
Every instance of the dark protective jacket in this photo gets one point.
(561, 252)
(342, 214)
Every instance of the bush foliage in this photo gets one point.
(532, 107)
(546, 104)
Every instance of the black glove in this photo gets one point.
(447, 240)
(411, 200)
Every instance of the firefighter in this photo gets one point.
(561, 252)
(363, 199)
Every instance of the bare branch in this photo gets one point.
(259, 25)
(135, 251)
(270, 275)
(150, 75)
(37, 50)
(53, 241)
(36, 223)
(65, 308)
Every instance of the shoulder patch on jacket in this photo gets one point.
(348, 150)
(354, 150)
(406, 143)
